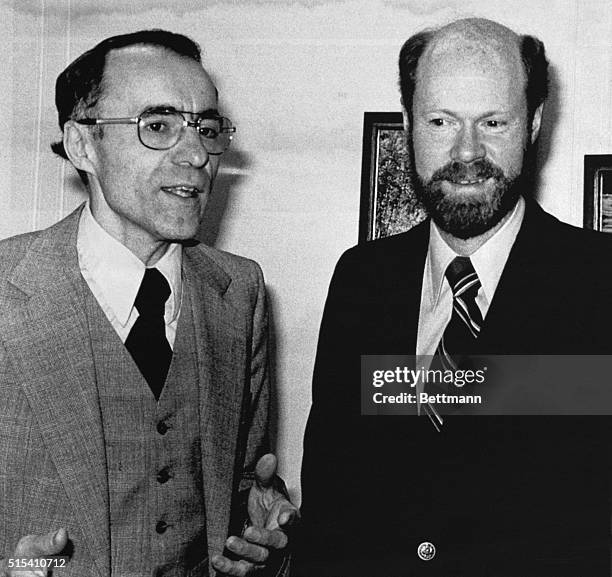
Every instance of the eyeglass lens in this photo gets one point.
(162, 129)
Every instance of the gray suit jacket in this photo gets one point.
(52, 451)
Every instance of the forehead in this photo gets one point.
(468, 72)
(141, 76)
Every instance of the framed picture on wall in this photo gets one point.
(388, 203)
(598, 192)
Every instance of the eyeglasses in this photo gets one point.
(161, 128)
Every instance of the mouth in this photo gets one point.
(465, 185)
(470, 182)
(183, 191)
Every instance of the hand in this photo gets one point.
(33, 547)
(270, 512)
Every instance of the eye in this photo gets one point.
(157, 126)
(441, 124)
(209, 129)
(208, 132)
(495, 125)
(158, 123)
(438, 122)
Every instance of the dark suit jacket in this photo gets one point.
(52, 451)
(498, 496)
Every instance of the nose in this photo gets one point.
(189, 149)
(468, 146)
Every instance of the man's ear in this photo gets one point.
(536, 122)
(77, 146)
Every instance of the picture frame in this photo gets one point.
(598, 192)
(388, 203)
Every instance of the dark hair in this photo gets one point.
(409, 57)
(79, 87)
(532, 55)
(535, 63)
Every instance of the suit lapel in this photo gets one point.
(48, 341)
(221, 349)
(512, 323)
(401, 284)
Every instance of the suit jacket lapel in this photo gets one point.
(512, 322)
(48, 341)
(221, 349)
(401, 286)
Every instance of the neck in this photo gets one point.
(149, 255)
(148, 250)
(133, 237)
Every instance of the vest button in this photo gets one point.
(161, 527)
(162, 428)
(163, 476)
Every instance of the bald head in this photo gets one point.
(474, 43)
(475, 35)
(482, 45)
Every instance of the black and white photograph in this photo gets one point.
(306, 288)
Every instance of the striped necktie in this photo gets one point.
(463, 328)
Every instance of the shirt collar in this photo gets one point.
(118, 272)
(488, 261)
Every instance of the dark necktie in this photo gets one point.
(147, 341)
(463, 328)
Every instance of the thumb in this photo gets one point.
(265, 471)
(32, 546)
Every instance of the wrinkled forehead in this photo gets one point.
(473, 47)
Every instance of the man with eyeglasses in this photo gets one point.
(133, 361)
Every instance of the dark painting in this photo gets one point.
(388, 202)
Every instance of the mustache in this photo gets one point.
(459, 171)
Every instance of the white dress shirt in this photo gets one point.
(436, 294)
(114, 274)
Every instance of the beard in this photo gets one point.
(469, 215)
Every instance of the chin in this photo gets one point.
(180, 233)
(467, 217)
(468, 222)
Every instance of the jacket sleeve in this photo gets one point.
(255, 423)
(257, 402)
(331, 451)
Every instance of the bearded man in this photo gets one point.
(482, 495)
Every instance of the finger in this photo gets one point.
(289, 517)
(286, 516)
(32, 546)
(249, 551)
(238, 568)
(265, 470)
(281, 513)
(275, 539)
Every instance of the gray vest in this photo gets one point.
(158, 523)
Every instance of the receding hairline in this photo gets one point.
(147, 48)
(144, 48)
(476, 39)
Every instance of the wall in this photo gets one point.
(296, 77)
